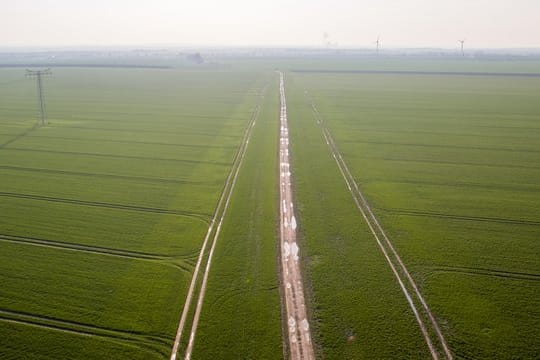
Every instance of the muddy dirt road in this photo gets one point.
(299, 336)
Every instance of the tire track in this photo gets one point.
(115, 156)
(424, 317)
(193, 215)
(178, 262)
(475, 164)
(487, 272)
(441, 146)
(147, 341)
(198, 309)
(227, 296)
(123, 341)
(219, 212)
(116, 141)
(465, 134)
(86, 248)
(458, 184)
(462, 217)
(100, 175)
(145, 131)
(5, 125)
(19, 136)
(172, 120)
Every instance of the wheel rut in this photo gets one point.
(428, 324)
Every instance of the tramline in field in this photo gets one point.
(386, 208)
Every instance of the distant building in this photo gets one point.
(195, 58)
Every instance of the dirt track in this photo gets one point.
(218, 217)
(429, 326)
(299, 336)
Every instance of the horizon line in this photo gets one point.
(167, 46)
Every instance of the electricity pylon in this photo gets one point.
(462, 42)
(38, 74)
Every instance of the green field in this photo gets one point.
(450, 166)
(104, 210)
(242, 318)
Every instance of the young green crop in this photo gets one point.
(241, 312)
(450, 166)
(104, 210)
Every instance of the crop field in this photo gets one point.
(104, 209)
(242, 319)
(450, 166)
(358, 309)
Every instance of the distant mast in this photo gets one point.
(38, 74)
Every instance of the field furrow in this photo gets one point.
(105, 208)
(201, 217)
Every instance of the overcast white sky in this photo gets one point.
(407, 23)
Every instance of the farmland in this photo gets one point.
(449, 165)
(104, 209)
(242, 318)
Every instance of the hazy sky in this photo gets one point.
(417, 23)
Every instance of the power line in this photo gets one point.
(11, 81)
(38, 74)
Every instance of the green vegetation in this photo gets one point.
(450, 166)
(241, 313)
(104, 210)
(358, 309)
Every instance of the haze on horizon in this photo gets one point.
(346, 23)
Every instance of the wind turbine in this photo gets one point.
(377, 43)
(462, 42)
